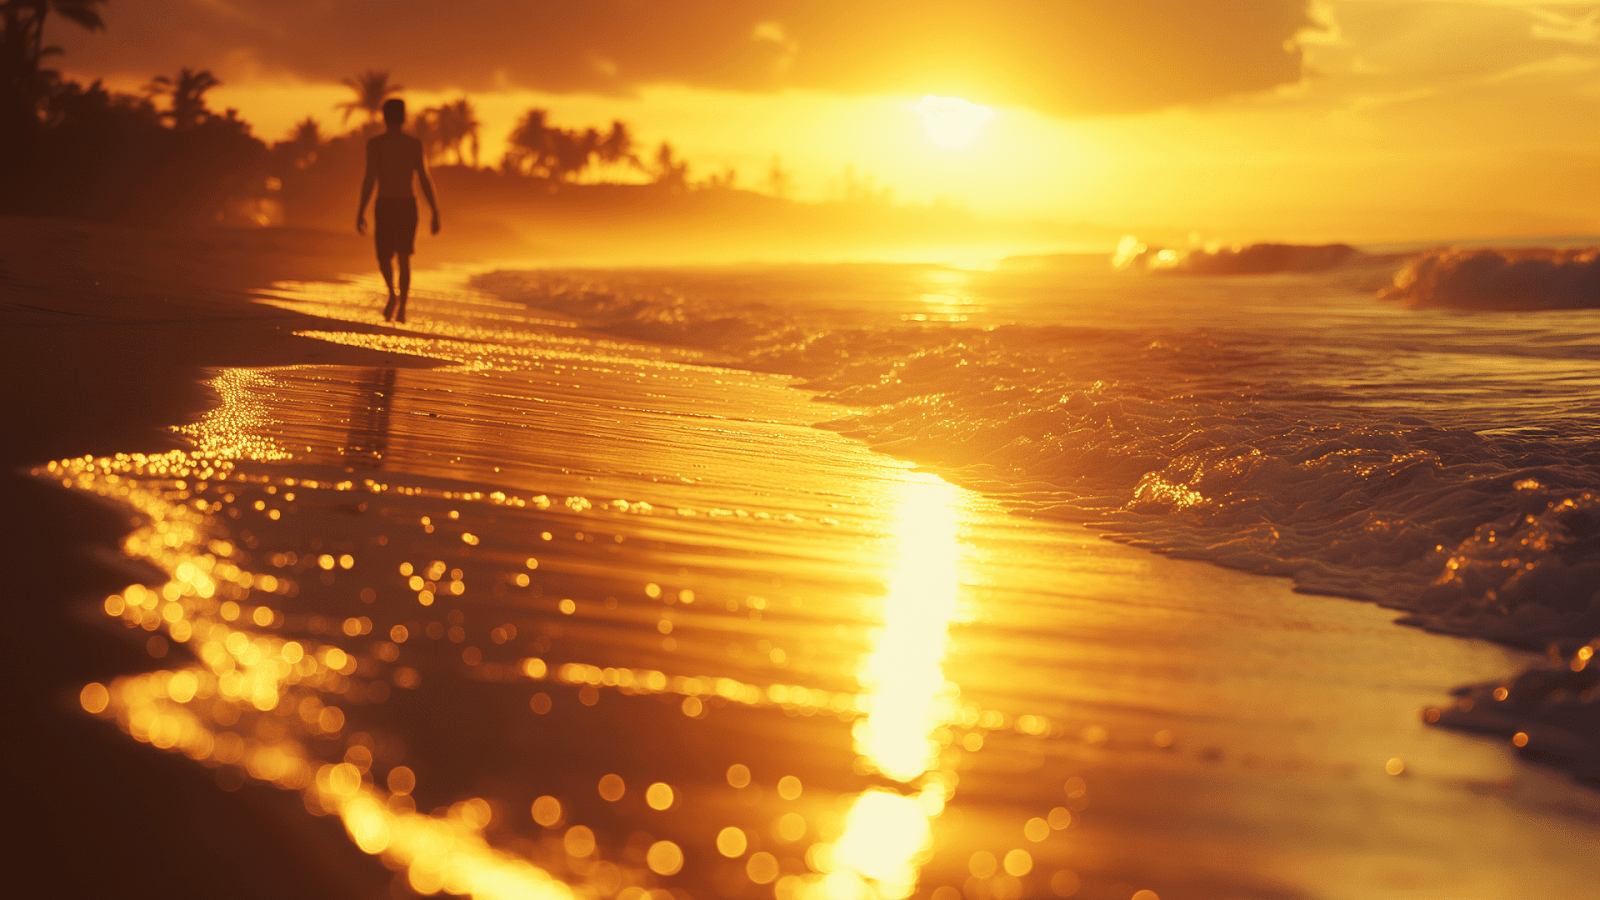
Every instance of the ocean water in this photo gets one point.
(1433, 460)
(582, 603)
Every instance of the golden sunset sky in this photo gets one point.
(1360, 120)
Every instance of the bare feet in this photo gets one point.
(388, 310)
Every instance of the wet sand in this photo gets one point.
(563, 567)
(944, 681)
(105, 332)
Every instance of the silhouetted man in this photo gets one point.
(392, 158)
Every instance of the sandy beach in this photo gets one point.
(107, 330)
(492, 603)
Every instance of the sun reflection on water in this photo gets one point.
(258, 685)
(270, 707)
(255, 700)
(888, 834)
(904, 675)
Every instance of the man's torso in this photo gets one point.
(394, 156)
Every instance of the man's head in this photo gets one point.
(394, 112)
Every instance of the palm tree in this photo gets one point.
(24, 25)
(425, 125)
(618, 146)
(542, 150)
(307, 133)
(187, 93)
(528, 143)
(571, 152)
(305, 141)
(779, 182)
(372, 87)
(457, 122)
(723, 180)
(671, 172)
(22, 44)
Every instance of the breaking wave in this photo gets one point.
(1501, 279)
(1238, 259)
(1445, 476)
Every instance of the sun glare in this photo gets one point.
(905, 672)
(951, 121)
(888, 832)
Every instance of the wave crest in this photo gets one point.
(1500, 279)
(1208, 444)
(1239, 259)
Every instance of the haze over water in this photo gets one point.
(573, 614)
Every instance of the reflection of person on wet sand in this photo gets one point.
(369, 421)
(392, 158)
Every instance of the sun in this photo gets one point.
(951, 121)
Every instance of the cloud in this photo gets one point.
(1065, 58)
(1554, 26)
(1396, 52)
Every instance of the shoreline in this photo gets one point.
(1527, 711)
(1152, 679)
(268, 822)
(108, 334)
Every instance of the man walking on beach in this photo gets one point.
(392, 158)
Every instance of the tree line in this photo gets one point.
(86, 151)
(162, 154)
(536, 148)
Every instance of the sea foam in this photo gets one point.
(1353, 456)
(1488, 278)
(1235, 259)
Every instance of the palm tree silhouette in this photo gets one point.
(528, 143)
(456, 123)
(779, 182)
(306, 140)
(573, 150)
(24, 25)
(22, 43)
(542, 150)
(618, 146)
(372, 87)
(187, 94)
(307, 133)
(670, 171)
(425, 127)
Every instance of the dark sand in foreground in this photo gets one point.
(106, 334)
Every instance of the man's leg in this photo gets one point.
(405, 283)
(386, 266)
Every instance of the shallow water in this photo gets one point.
(576, 616)
(1439, 462)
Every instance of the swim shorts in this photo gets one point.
(395, 225)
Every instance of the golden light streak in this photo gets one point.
(257, 702)
(885, 838)
(904, 675)
(887, 834)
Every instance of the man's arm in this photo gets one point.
(426, 184)
(367, 184)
